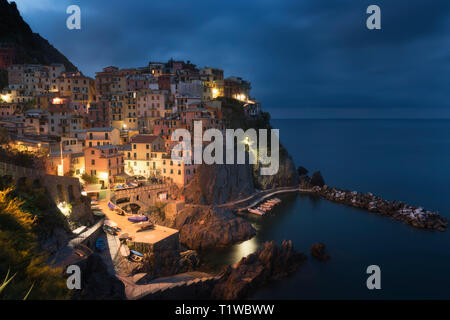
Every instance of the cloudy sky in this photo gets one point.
(305, 58)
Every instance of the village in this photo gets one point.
(113, 133)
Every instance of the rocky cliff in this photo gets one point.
(217, 184)
(203, 227)
(267, 264)
(30, 47)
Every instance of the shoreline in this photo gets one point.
(415, 216)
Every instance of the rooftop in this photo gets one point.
(143, 138)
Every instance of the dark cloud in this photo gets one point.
(314, 55)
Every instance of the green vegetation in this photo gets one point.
(89, 179)
(19, 252)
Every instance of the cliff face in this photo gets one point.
(202, 227)
(287, 174)
(30, 47)
(216, 184)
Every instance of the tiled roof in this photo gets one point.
(143, 138)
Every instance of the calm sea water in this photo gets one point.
(407, 160)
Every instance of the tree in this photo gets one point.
(89, 179)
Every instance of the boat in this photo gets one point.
(145, 226)
(111, 205)
(100, 244)
(124, 237)
(124, 250)
(137, 218)
(256, 211)
(136, 256)
(110, 227)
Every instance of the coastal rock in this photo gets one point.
(305, 182)
(267, 264)
(285, 177)
(317, 179)
(204, 227)
(217, 184)
(302, 171)
(318, 252)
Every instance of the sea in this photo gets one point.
(406, 160)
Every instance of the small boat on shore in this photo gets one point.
(100, 244)
(136, 256)
(137, 218)
(147, 225)
(256, 211)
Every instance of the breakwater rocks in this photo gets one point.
(416, 216)
(267, 264)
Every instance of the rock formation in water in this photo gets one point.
(203, 227)
(267, 264)
(318, 251)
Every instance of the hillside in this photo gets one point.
(30, 47)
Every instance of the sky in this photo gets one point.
(304, 58)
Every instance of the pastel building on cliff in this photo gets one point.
(105, 162)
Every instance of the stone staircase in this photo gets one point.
(191, 285)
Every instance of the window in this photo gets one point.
(93, 162)
(179, 172)
(92, 152)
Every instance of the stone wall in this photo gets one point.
(148, 195)
(60, 188)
